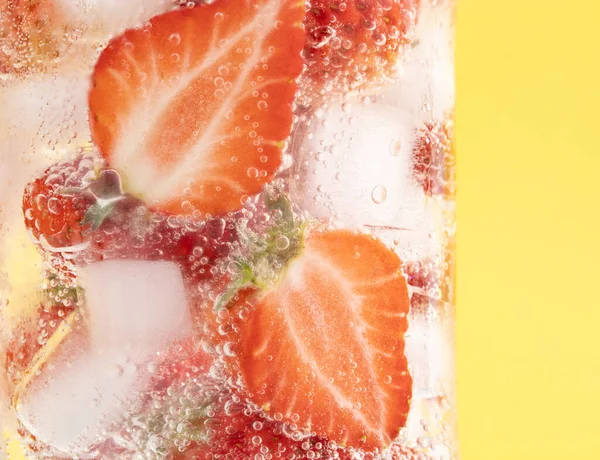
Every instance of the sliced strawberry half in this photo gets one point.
(333, 329)
(193, 108)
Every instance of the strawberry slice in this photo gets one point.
(193, 108)
(333, 329)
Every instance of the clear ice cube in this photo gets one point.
(135, 305)
(134, 310)
(355, 166)
(425, 86)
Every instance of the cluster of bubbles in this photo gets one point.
(171, 420)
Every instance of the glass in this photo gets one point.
(224, 235)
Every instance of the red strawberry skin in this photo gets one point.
(182, 361)
(53, 214)
(352, 44)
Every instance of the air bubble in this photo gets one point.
(257, 425)
(262, 105)
(175, 39)
(395, 147)
(369, 24)
(228, 349)
(55, 206)
(282, 242)
(379, 194)
(379, 39)
(256, 440)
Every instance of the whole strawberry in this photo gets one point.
(353, 44)
(53, 206)
(77, 214)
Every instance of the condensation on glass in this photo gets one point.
(227, 229)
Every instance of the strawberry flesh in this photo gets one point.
(193, 109)
(333, 328)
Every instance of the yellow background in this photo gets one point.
(529, 252)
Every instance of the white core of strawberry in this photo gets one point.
(150, 180)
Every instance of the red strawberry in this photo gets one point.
(53, 211)
(193, 109)
(433, 158)
(54, 207)
(77, 216)
(29, 35)
(132, 232)
(333, 328)
(353, 44)
(240, 436)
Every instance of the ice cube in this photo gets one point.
(44, 113)
(79, 393)
(354, 164)
(136, 309)
(135, 305)
(42, 119)
(430, 353)
(425, 86)
(112, 16)
(430, 346)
